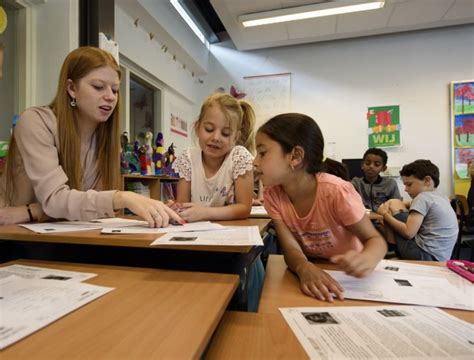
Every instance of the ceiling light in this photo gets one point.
(309, 11)
(179, 8)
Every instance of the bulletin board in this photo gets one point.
(270, 95)
(462, 125)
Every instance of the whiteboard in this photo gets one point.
(268, 94)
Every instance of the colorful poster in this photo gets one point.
(384, 126)
(462, 120)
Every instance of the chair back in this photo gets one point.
(458, 208)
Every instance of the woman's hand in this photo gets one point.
(316, 283)
(355, 264)
(152, 211)
(192, 212)
(14, 215)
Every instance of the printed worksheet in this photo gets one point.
(380, 332)
(196, 226)
(58, 227)
(393, 282)
(34, 272)
(229, 236)
(30, 304)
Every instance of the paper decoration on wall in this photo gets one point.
(269, 94)
(462, 120)
(109, 45)
(178, 125)
(384, 126)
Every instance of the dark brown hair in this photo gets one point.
(294, 129)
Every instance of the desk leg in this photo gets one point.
(251, 273)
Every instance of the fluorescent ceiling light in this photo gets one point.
(309, 11)
(179, 8)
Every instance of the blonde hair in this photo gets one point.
(79, 63)
(239, 113)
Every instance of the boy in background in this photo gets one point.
(429, 228)
(373, 188)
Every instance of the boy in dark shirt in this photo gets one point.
(373, 188)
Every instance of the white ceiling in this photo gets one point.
(395, 16)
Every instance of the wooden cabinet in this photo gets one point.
(154, 182)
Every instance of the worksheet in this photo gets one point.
(34, 272)
(380, 332)
(229, 236)
(30, 304)
(195, 226)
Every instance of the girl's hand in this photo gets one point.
(192, 212)
(153, 211)
(316, 283)
(355, 264)
(384, 208)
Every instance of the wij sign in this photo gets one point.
(384, 126)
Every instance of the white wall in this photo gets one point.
(135, 43)
(55, 33)
(335, 82)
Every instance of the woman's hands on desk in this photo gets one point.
(153, 211)
(317, 283)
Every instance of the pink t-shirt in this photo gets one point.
(322, 232)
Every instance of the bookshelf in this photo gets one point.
(154, 183)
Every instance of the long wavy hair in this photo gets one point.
(77, 65)
(239, 113)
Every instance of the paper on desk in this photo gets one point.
(230, 236)
(108, 222)
(196, 226)
(258, 210)
(405, 288)
(406, 268)
(34, 272)
(30, 304)
(56, 227)
(380, 332)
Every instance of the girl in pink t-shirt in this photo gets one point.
(315, 214)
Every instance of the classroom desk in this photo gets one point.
(94, 237)
(281, 289)
(134, 250)
(266, 335)
(151, 314)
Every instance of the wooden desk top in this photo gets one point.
(266, 335)
(243, 335)
(94, 237)
(151, 314)
(281, 289)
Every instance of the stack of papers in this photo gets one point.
(32, 298)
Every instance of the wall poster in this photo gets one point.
(384, 126)
(462, 125)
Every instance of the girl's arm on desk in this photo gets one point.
(239, 210)
(363, 263)
(314, 281)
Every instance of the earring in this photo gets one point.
(73, 102)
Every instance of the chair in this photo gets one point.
(465, 234)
